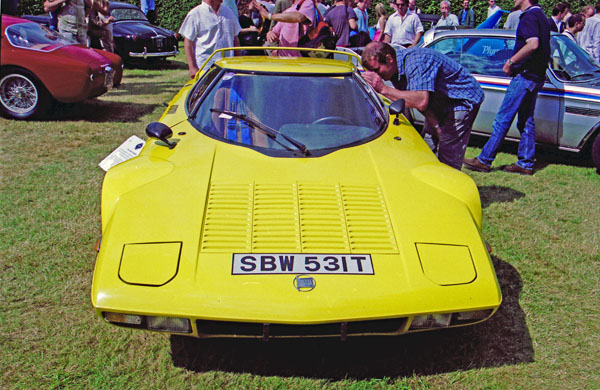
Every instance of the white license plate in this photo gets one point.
(301, 263)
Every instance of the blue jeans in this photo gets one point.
(520, 99)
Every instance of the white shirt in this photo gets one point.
(403, 31)
(571, 36)
(450, 20)
(209, 30)
(491, 11)
(512, 20)
(589, 37)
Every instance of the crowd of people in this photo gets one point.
(440, 88)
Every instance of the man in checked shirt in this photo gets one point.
(439, 87)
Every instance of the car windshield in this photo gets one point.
(569, 62)
(34, 36)
(287, 112)
(127, 14)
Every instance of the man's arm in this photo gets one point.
(412, 99)
(531, 46)
(190, 56)
(417, 39)
(52, 5)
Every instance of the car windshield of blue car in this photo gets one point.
(127, 14)
(34, 36)
(320, 112)
(569, 62)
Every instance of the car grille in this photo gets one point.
(300, 217)
(265, 331)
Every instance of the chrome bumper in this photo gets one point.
(145, 54)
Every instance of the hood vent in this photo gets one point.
(297, 218)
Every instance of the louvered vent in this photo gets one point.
(299, 218)
(583, 111)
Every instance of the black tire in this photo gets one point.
(22, 95)
(596, 152)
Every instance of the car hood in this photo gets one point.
(139, 28)
(194, 213)
(83, 54)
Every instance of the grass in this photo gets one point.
(544, 230)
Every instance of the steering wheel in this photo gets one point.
(333, 120)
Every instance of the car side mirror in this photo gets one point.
(397, 108)
(160, 131)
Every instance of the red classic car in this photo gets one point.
(38, 65)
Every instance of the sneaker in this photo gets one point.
(514, 168)
(475, 165)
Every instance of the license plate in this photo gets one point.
(301, 263)
(159, 42)
(108, 79)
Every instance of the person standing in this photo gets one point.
(447, 18)
(403, 29)
(412, 7)
(149, 9)
(362, 36)
(381, 14)
(280, 6)
(291, 24)
(575, 24)
(439, 87)
(555, 22)
(341, 18)
(206, 28)
(492, 10)
(589, 38)
(466, 17)
(71, 15)
(527, 65)
(512, 20)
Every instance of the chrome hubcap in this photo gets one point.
(18, 94)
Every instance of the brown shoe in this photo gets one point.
(475, 165)
(514, 168)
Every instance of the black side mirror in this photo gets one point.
(160, 131)
(397, 108)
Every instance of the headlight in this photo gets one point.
(163, 324)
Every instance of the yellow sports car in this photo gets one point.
(281, 197)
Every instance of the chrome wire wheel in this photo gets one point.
(19, 95)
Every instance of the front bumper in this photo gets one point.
(146, 54)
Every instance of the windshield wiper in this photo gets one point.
(265, 129)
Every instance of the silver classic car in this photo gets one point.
(567, 112)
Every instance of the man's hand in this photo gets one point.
(272, 37)
(506, 68)
(374, 80)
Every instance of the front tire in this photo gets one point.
(22, 95)
(596, 152)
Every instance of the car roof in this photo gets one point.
(118, 4)
(496, 32)
(301, 65)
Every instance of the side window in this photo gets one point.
(479, 55)
(486, 56)
(201, 86)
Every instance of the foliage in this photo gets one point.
(170, 13)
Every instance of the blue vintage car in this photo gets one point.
(567, 112)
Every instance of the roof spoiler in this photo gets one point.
(350, 55)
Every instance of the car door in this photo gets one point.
(484, 57)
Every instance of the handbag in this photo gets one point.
(319, 36)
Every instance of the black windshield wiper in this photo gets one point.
(264, 128)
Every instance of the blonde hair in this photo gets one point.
(380, 10)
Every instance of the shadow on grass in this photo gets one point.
(145, 88)
(498, 194)
(502, 340)
(95, 110)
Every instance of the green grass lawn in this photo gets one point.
(545, 232)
